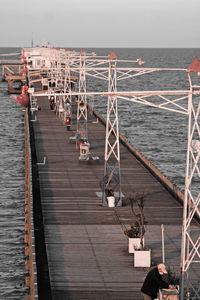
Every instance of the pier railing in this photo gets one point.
(10, 61)
(30, 263)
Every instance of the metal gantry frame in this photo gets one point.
(94, 67)
(111, 180)
(167, 100)
(82, 101)
(190, 248)
(67, 88)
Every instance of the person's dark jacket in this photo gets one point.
(152, 283)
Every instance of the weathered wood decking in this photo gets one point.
(86, 248)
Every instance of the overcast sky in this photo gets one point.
(100, 23)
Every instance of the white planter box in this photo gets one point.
(134, 244)
(111, 201)
(142, 258)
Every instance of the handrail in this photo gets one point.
(30, 263)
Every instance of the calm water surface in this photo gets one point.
(12, 268)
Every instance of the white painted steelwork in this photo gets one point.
(111, 179)
(190, 248)
(82, 102)
(168, 100)
(67, 89)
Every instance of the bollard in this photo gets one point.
(26, 239)
(26, 208)
(26, 217)
(27, 264)
(27, 281)
(26, 227)
(27, 251)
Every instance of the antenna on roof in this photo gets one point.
(32, 41)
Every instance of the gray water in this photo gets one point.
(161, 136)
(12, 259)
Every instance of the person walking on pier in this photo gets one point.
(52, 103)
(153, 282)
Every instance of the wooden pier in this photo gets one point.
(86, 249)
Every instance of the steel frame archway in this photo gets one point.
(190, 243)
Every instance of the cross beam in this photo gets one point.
(190, 253)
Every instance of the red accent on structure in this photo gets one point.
(140, 62)
(23, 57)
(112, 55)
(68, 121)
(24, 70)
(79, 143)
(24, 89)
(195, 65)
(83, 51)
(67, 50)
(23, 98)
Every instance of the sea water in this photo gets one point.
(12, 173)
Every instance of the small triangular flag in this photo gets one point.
(195, 65)
(112, 55)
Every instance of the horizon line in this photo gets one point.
(107, 47)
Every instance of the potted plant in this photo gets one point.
(106, 185)
(137, 231)
(110, 197)
(133, 238)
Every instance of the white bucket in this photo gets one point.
(111, 201)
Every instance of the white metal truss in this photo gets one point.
(111, 181)
(190, 248)
(82, 102)
(67, 89)
(168, 100)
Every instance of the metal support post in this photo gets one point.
(190, 249)
(82, 102)
(111, 181)
(67, 89)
